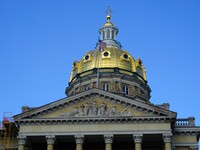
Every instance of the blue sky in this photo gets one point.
(39, 40)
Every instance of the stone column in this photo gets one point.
(79, 141)
(167, 138)
(108, 140)
(21, 142)
(50, 141)
(138, 141)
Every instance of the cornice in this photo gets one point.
(187, 130)
(97, 120)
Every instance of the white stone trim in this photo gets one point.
(167, 138)
(50, 139)
(138, 138)
(79, 139)
(21, 139)
(108, 138)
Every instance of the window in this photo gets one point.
(105, 54)
(87, 88)
(107, 34)
(113, 34)
(125, 56)
(125, 89)
(106, 87)
(87, 57)
(103, 35)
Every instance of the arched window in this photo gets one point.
(125, 89)
(107, 34)
(113, 34)
(103, 35)
(106, 87)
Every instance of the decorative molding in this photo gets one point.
(167, 138)
(187, 130)
(103, 119)
(137, 138)
(79, 139)
(92, 109)
(50, 139)
(21, 139)
(194, 147)
(108, 138)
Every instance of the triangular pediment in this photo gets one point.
(96, 103)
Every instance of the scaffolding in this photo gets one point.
(9, 131)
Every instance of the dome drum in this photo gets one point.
(115, 80)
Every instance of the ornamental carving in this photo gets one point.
(108, 139)
(93, 109)
(79, 139)
(137, 138)
(167, 138)
(21, 140)
(50, 139)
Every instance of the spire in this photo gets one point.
(109, 31)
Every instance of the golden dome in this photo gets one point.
(108, 58)
(111, 56)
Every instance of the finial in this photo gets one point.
(108, 11)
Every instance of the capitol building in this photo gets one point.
(107, 107)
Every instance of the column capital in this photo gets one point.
(21, 139)
(194, 147)
(167, 138)
(137, 138)
(50, 139)
(79, 139)
(108, 138)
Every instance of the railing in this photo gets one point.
(185, 121)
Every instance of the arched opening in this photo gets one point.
(107, 34)
(125, 89)
(106, 87)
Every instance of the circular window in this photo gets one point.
(106, 54)
(87, 57)
(125, 56)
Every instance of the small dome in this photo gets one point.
(108, 24)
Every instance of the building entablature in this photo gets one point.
(97, 120)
